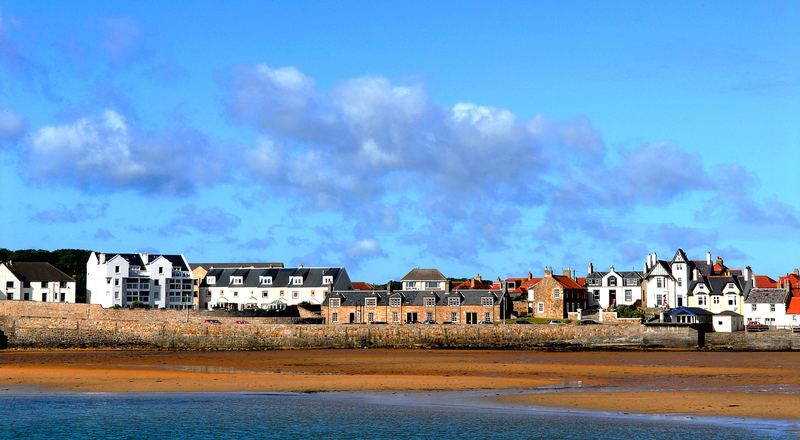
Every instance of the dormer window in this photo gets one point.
(236, 280)
(334, 302)
(265, 280)
(327, 279)
(512, 285)
(370, 302)
(429, 301)
(487, 301)
(297, 281)
(394, 301)
(612, 281)
(211, 280)
(453, 302)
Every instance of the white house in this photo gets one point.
(33, 281)
(270, 288)
(727, 322)
(666, 283)
(159, 281)
(425, 279)
(612, 288)
(768, 306)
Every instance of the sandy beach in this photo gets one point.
(765, 385)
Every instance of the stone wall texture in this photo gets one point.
(42, 325)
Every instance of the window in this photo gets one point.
(335, 317)
(772, 307)
(556, 293)
(612, 281)
(730, 285)
(487, 317)
(678, 267)
(157, 296)
(429, 316)
(540, 308)
(628, 295)
(659, 282)
(715, 299)
(265, 280)
(43, 284)
(487, 301)
(116, 295)
(335, 302)
(731, 300)
(680, 281)
(9, 284)
(429, 301)
(370, 302)
(116, 269)
(753, 307)
(264, 293)
(160, 270)
(453, 317)
(235, 293)
(327, 279)
(659, 300)
(370, 317)
(395, 317)
(295, 294)
(313, 294)
(512, 285)
(116, 281)
(297, 281)
(236, 280)
(394, 302)
(211, 280)
(453, 302)
(596, 294)
(410, 285)
(701, 300)
(431, 284)
(630, 282)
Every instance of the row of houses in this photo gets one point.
(170, 281)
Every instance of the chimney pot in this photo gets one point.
(708, 258)
(796, 272)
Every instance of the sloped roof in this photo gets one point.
(36, 271)
(418, 274)
(361, 285)
(567, 282)
(794, 306)
(415, 297)
(767, 296)
(312, 277)
(194, 266)
(690, 311)
(765, 281)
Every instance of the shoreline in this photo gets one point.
(695, 384)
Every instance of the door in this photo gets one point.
(411, 317)
(680, 301)
(472, 317)
(352, 318)
(612, 298)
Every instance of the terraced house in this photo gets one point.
(33, 281)
(554, 296)
(270, 288)
(155, 280)
(469, 306)
(612, 288)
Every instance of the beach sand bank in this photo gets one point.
(725, 384)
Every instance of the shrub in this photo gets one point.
(628, 312)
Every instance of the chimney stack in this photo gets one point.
(548, 272)
(591, 267)
(389, 287)
(695, 274)
(655, 258)
(478, 278)
(101, 257)
(530, 275)
(796, 272)
(145, 258)
(567, 272)
(708, 258)
(748, 273)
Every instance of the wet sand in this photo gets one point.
(763, 385)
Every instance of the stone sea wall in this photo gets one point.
(40, 325)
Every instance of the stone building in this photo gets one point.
(556, 295)
(468, 306)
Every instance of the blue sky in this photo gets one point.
(491, 138)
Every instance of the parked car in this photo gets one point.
(429, 321)
(522, 321)
(212, 321)
(486, 321)
(241, 321)
(756, 327)
(555, 322)
(587, 322)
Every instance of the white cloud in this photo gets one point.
(103, 153)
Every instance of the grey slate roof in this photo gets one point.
(35, 271)
(415, 297)
(717, 284)
(136, 259)
(418, 274)
(312, 277)
(767, 296)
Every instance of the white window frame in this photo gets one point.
(487, 301)
(297, 281)
(335, 315)
(540, 307)
(395, 301)
(334, 302)
(265, 280)
(454, 301)
(370, 302)
(395, 316)
(628, 295)
(556, 293)
(211, 280)
(237, 280)
(429, 301)
(327, 279)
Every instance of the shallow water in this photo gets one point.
(34, 415)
